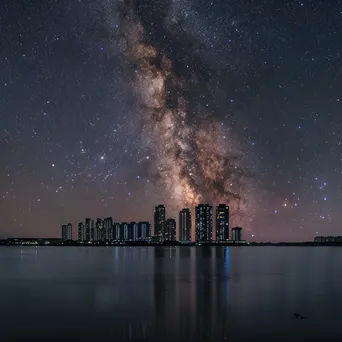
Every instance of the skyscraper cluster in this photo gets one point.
(105, 230)
(166, 227)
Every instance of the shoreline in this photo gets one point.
(61, 243)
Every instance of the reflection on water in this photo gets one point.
(191, 292)
(177, 293)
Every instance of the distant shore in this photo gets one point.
(72, 243)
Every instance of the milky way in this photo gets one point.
(109, 107)
(195, 160)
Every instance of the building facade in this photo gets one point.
(92, 231)
(185, 225)
(87, 229)
(159, 220)
(222, 222)
(144, 230)
(107, 229)
(116, 230)
(81, 232)
(204, 222)
(124, 228)
(328, 239)
(98, 233)
(131, 230)
(67, 231)
(237, 234)
(170, 230)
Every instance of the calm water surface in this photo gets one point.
(170, 294)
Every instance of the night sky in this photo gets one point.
(108, 108)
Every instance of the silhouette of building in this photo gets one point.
(159, 220)
(185, 225)
(87, 229)
(92, 231)
(328, 239)
(124, 228)
(116, 230)
(170, 230)
(135, 232)
(132, 228)
(204, 222)
(237, 234)
(144, 230)
(222, 222)
(107, 229)
(67, 231)
(81, 232)
(131, 231)
(111, 231)
(98, 236)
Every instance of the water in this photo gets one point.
(170, 294)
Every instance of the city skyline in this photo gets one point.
(163, 227)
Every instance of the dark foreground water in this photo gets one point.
(170, 294)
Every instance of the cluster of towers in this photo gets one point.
(165, 229)
(107, 230)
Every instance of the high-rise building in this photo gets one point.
(130, 233)
(222, 222)
(98, 230)
(87, 229)
(81, 232)
(135, 230)
(107, 229)
(92, 231)
(185, 225)
(159, 220)
(144, 230)
(111, 232)
(120, 231)
(116, 231)
(124, 229)
(237, 234)
(204, 222)
(67, 231)
(170, 230)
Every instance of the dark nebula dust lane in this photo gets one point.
(194, 158)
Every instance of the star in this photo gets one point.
(179, 103)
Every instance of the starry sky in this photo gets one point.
(110, 107)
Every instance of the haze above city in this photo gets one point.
(109, 108)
